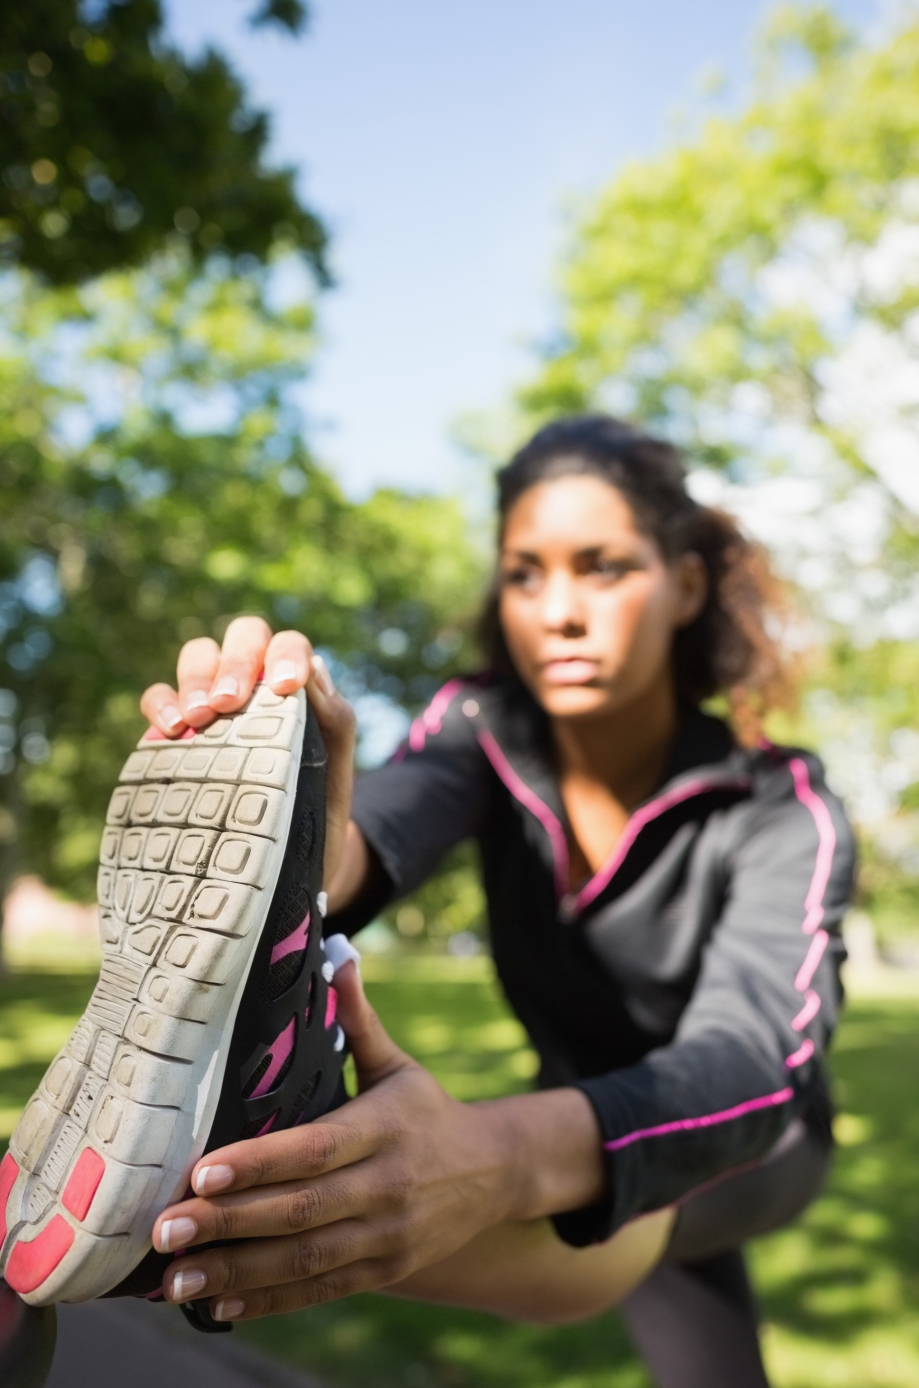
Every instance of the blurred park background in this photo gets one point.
(277, 291)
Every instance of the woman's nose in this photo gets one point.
(561, 608)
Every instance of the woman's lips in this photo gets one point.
(572, 671)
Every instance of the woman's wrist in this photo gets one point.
(549, 1153)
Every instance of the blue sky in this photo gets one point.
(447, 146)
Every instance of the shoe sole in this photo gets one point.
(194, 841)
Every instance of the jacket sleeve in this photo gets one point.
(431, 795)
(745, 1058)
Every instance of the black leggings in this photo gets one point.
(694, 1321)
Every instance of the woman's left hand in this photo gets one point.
(397, 1178)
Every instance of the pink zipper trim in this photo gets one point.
(530, 801)
(708, 1120)
(808, 1011)
(801, 1055)
(826, 845)
(811, 961)
(633, 828)
(432, 720)
(813, 906)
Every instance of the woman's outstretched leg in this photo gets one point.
(696, 1325)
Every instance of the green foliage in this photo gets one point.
(112, 144)
(450, 902)
(699, 272)
(160, 526)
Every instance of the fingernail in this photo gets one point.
(171, 716)
(197, 699)
(228, 1308)
(213, 1178)
(177, 1233)
(323, 678)
(228, 687)
(283, 670)
(186, 1283)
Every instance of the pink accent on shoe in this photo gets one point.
(280, 1049)
(297, 939)
(707, 1120)
(9, 1171)
(154, 735)
(808, 1011)
(331, 1007)
(31, 1263)
(801, 1055)
(83, 1184)
(188, 734)
(269, 1125)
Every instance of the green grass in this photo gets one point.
(840, 1290)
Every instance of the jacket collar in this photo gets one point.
(514, 734)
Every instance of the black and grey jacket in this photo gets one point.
(690, 986)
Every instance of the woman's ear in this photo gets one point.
(691, 577)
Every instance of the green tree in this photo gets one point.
(753, 294)
(155, 482)
(112, 144)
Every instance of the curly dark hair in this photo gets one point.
(728, 648)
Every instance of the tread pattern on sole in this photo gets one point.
(190, 844)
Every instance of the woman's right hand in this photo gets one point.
(214, 680)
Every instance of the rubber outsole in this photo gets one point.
(194, 841)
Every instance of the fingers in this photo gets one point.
(376, 1055)
(294, 1154)
(242, 659)
(364, 1276)
(288, 662)
(337, 723)
(334, 714)
(199, 661)
(214, 680)
(160, 706)
(268, 1278)
(269, 1212)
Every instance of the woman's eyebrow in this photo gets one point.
(518, 554)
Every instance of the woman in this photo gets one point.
(664, 902)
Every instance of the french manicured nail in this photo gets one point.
(282, 671)
(171, 716)
(197, 699)
(213, 1178)
(228, 1308)
(188, 1282)
(177, 1233)
(323, 678)
(228, 687)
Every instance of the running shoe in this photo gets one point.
(213, 1018)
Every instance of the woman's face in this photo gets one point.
(588, 604)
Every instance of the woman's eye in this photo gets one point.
(520, 577)
(609, 568)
